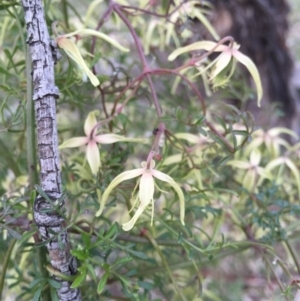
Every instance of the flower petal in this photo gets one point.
(99, 35)
(255, 157)
(201, 17)
(279, 130)
(74, 142)
(93, 156)
(90, 123)
(111, 138)
(222, 61)
(195, 139)
(294, 169)
(91, 9)
(146, 188)
(274, 163)
(146, 192)
(239, 164)
(202, 45)
(72, 51)
(249, 180)
(115, 182)
(248, 63)
(164, 177)
(172, 159)
(129, 225)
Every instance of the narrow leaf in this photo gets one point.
(102, 283)
(78, 280)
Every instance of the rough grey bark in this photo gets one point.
(261, 28)
(46, 213)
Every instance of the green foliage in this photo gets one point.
(241, 185)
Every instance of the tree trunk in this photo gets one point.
(47, 210)
(261, 28)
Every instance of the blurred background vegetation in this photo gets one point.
(241, 182)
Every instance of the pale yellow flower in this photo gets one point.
(272, 140)
(146, 191)
(189, 9)
(92, 139)
(73, 52)
(280, 162)
(253, 170)
(218, 76)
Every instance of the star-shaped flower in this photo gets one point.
(271, 140)
(146, 191)
(223, 66)
(253, 171)
(91, 139)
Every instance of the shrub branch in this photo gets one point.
(47, 209)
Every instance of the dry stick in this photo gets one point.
(142, 58)
(215, 131)
(48, 220)
(125, 8)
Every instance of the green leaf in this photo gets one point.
(179, 239)
(137, 254)
(37, 294)
(218, 140)
(178, 113)
(4, 71)
(124, 119)
(146, 285)
(199, 121)
(235, 109)
(80, 254)
(54, 295)
(113, 230)
(42, 193)
(54, 283)
(86, 239)
(7, 5)
(240, 133)
(121, 261)
(123, 280)
(35, 282)
(224, 160)
(91, 270)
(78, 280)
(202, 131)
(13, 233)
(26, 236)
(221, 122)
(234, 141)
(102, 282)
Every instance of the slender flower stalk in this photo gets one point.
(145, 195)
